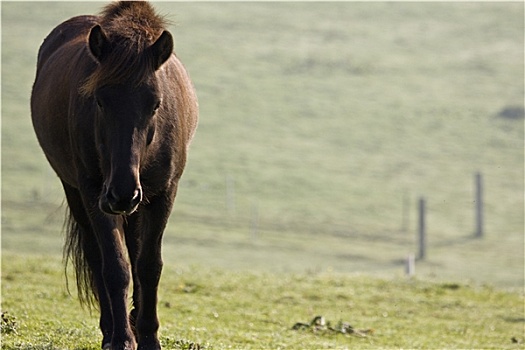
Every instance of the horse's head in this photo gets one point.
(127, 97)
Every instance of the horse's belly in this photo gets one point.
(58, 154)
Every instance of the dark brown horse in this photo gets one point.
(114, 111)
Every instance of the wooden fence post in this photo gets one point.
(410, 268)
(478, 203)
(422, 230)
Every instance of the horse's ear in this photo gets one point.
(98, 42)
(161, 49)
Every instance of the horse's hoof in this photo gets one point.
(149, 345)
(153, 347)
(127, 346)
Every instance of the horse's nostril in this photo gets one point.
(111, 196)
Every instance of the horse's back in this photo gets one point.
(187, 104)
(72, 30)
(60, 58)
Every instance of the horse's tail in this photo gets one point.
(74, 252)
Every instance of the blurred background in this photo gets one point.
(321, 127)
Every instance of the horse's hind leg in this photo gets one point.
(87, 247)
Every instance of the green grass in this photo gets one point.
(218, 309)
(321, 126)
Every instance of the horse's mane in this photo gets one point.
(133, 21)
(131, 27)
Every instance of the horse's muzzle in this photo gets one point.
(114, 203)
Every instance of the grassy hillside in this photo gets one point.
(321, 126)
(217, 309)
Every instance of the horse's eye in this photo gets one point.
(99, 104)
(157, 105)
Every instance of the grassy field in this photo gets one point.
(321, 126)
(223, 310)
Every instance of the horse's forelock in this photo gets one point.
(119, 68)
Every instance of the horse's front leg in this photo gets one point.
(154, 217)
(116, 274)
(133, 243)
(116, 277)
